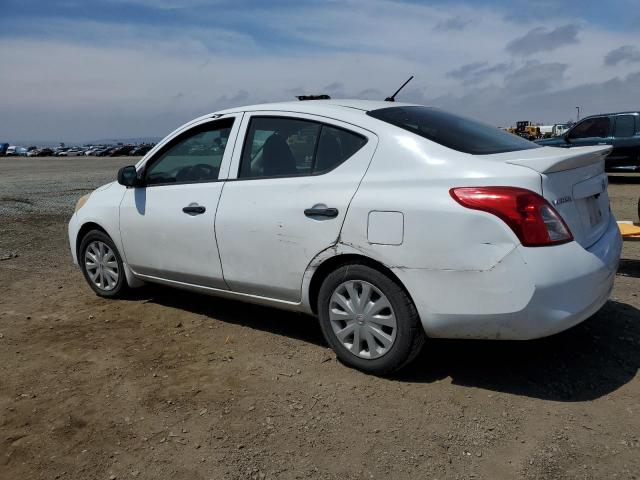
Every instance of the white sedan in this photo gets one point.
(391, 222)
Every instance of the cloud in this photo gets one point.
(166, 4)
(465, 70)
(452, 23)
(118, 73)
(371, 94)
(498, 105)
(623, 54)
(542, 40)
(334, 89)
(535, 77)
(476, 72)
(225, 101)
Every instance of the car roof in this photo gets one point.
(631, 112)
(313, 106)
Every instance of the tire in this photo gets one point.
(101, 280)
(370, 288)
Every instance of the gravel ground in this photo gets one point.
(52, 185)
(170, 384)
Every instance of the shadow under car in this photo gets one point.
(583, 363)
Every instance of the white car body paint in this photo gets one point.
(385, 228)
(466, 271)
(160, 241)
(266, 242)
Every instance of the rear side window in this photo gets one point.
(335, 146)
(452, 131)
(625, 126)
(278, 146)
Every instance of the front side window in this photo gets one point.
(278, 146)
(452, 131)
(625, 126)
(192, 157)
(597, 127)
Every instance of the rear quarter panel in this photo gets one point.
(412, 175)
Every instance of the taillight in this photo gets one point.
(529, 215)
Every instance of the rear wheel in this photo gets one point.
(102, 265)
(369, 320)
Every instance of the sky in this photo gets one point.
(76, 71)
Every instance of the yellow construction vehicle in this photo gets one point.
(527, 130)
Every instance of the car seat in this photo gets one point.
(277, 158)
(329, 152)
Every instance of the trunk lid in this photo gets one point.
(574, 182)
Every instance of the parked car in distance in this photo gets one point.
(391, 222)
(101, 152)
(120, 151)
(34, 151)
(69, 152)
(45, 152)
(620, 130)
(92, 151)
(140, 150)
(3, 149)
(16, 151)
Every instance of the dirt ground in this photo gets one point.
(181, 386)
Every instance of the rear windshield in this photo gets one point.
(452, 131)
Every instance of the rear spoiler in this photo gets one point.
(562, 158)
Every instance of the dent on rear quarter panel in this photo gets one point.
(445, 237)
(339, 248)
(411, 175)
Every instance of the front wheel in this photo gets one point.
(369, 320)
(102, 265)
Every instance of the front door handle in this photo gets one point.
(194, 209)
(317, 211)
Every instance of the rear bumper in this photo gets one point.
(531, 293)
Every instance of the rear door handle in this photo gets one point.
(194, 209)
(321, 212)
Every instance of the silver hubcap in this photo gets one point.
(362, 319)
(101, 265)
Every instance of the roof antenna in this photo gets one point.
(392, 98)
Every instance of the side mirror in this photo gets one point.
(128, 176)
(566, 137)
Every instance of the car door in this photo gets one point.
(591, 131)
(626, 142)
(167, 224)
(287, 195)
